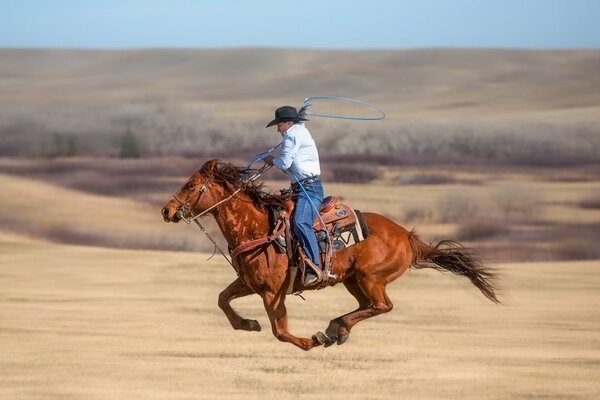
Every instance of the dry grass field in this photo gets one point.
(527, 106)
(80, 322)
(100, 299)
(510, 214)
(90, 323)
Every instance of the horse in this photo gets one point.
(239, 207)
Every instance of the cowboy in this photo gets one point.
(299, 159)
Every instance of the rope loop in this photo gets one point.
(308, 103)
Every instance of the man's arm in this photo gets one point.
(286, 157)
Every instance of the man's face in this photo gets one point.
(282, 127)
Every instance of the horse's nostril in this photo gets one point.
(165, 212)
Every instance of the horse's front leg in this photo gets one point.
(235, 290)
(275, 307)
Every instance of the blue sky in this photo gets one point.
(305, 24)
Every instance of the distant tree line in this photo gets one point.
(154, 129)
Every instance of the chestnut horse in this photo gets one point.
(239, 208)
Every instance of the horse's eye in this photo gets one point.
(191, 185)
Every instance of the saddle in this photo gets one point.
(344, 227)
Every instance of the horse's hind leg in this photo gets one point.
(373, 300)
(275, 307)
(379, 302)
(235, 290)
(337, 331)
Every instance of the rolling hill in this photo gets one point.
(425, 83)
(200, 102)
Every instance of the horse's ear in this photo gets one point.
(210, 166)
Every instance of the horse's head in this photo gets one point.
(199, 193)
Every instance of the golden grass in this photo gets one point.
(43, 210)
(89, 323)
(46, 211)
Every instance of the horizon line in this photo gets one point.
(366, 49)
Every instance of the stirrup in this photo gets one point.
(317, 271)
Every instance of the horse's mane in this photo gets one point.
(223, 172)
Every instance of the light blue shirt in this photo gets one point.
(299, 157)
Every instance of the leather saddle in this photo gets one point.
(344, 225)
(337, 227)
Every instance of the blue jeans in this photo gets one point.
(304, 216)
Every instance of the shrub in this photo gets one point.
(418, 214)
(62, 146)
(585, 248)
(592, 202)
(481, 228)
(352, 174)
(517, 203)
(129, 146)
(456, 207)
(425, 179)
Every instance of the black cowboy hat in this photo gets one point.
(284, 114)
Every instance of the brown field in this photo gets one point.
(83, 322)
(89, 323)
(509, 214)
(100, 299)
(509, 106)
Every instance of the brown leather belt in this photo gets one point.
(305, 182)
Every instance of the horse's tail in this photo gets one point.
(448, 255)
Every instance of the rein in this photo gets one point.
(246, 246)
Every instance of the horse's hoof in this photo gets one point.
(343, 338)
(254, 325)
(332, 330)
(332, 339)
(323, 339)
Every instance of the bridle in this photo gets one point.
(185, 208)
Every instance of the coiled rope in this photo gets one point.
(308, 103)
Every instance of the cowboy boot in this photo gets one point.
(312, 274)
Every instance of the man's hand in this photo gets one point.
(269, 160)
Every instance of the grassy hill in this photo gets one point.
(44, 211)
(196, 101)
(407, 83)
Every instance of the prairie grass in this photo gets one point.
(63, 215)
(530, 208)
(81, 322)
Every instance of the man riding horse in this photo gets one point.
(224, 191)
(299, 159)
